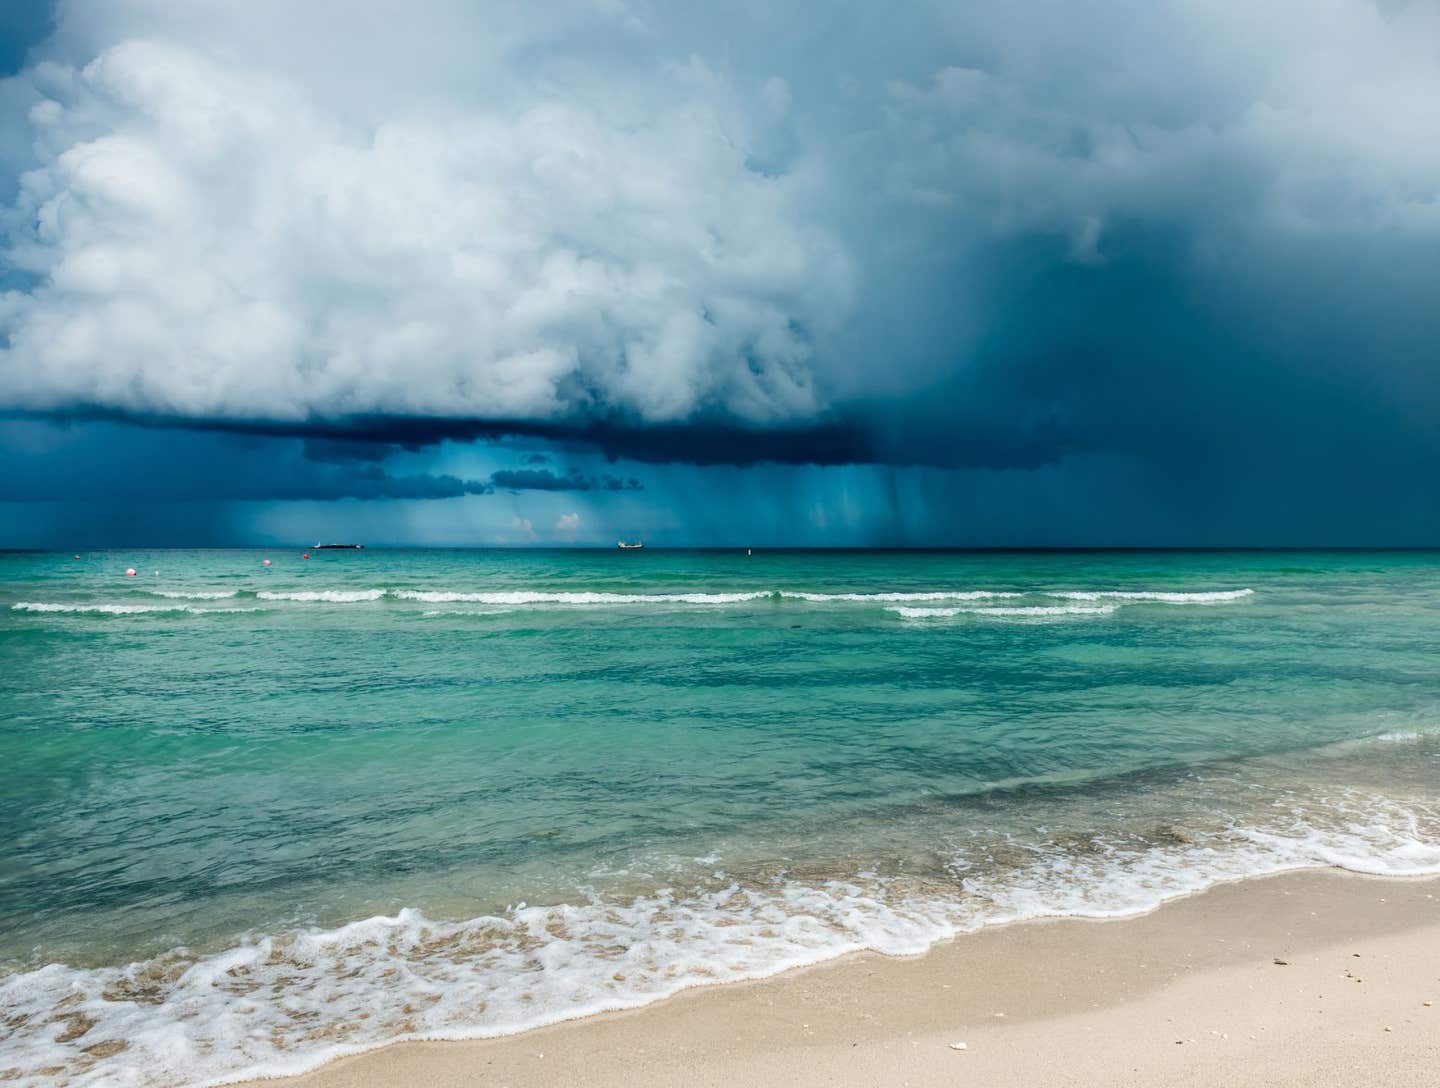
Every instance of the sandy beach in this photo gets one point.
(1313, 978)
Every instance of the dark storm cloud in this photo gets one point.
(117, 463)
(333, 451)
(949, 428)
(541, 479)
(1168, 257)
(114, 461)
(375, 437)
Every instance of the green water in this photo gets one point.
(703, 765)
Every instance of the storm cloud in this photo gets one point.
(543, 479)
(1153, 249)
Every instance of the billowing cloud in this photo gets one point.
(208, 241)
(1130, 250)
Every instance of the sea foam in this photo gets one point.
(925, 595)
(281, 1003)
(522, 597)
(1017, 611)
(100, 609)
(124, 609)
(326, 596)
(1156, 596)
(194, 595)
(910, 604)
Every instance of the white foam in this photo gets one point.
(467, 612)
(99, 609)
(328, 596)
(196, 595)
(124, 609)
(1155, 596)
(601, 599)
(1033, 611)
(581, 598)
(584, 598)
(929, 595)
(276, 1005)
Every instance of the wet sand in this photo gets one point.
(1315, 978)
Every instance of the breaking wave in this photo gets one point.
(1155, 596)
(519, 597)
(194, 595)
(1019, 611)
(123, 609)
(919, 604)
(328, 596)
(277, 1004)
(867, 598)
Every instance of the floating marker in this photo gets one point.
(129, 572)
(75, 557)
(306, 555)
(265, 562)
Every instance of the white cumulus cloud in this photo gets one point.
(208, 239)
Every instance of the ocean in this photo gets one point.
(255, 817)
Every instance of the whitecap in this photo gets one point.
(432, 612)
(925, 595)
(99, 609)
(125, 609)
(328, 596)
(580, 598)
(1155, 596)
(194, 595)
(1018, 611)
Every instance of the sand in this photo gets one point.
(1316, 978)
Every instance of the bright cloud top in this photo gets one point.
(207, 242)
(992, 234)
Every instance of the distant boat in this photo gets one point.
(637, 544)
(353, 547)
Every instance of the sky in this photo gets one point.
(1022, 273)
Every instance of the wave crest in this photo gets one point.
(194, 595)
(280, 1004)
(525, 596)
(327, 596)
(1219, 596)
(1018, 612)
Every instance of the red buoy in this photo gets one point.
(129, 572)
(265, 562)
(305, 556)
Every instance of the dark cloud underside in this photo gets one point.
(1113, 271)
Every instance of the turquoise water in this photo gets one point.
(256, 816)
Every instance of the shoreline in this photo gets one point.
(1188, 993)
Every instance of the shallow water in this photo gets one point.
(255, 816)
